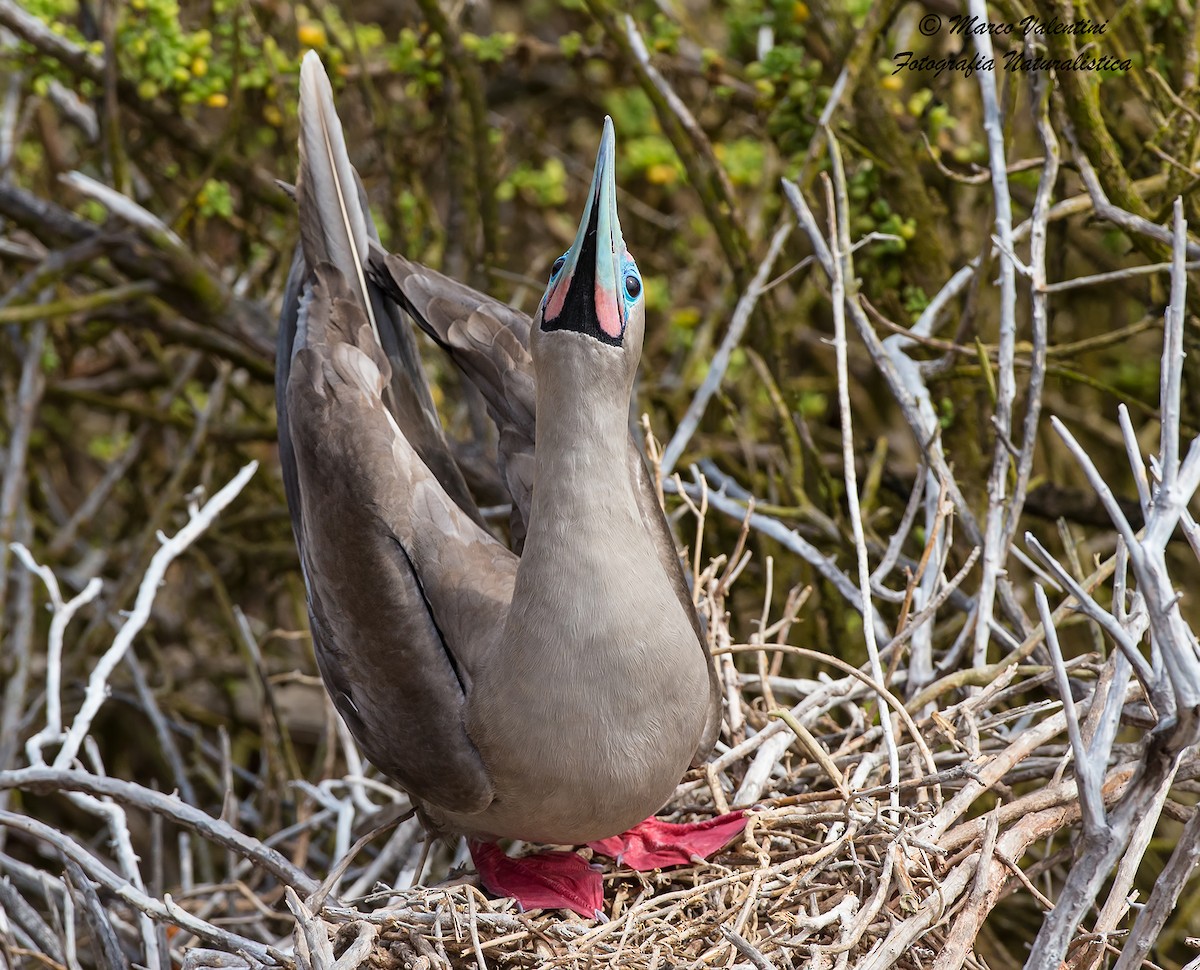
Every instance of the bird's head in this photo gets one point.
(594, 305)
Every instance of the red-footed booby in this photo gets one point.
(554, 694)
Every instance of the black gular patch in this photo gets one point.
(578, 312)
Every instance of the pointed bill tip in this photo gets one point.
(608, 138)
(602, 194)
(603, 176)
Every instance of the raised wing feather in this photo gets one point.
(406, 591)
(489, 342)
(336, 226)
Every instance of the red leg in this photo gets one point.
(548, 880)
(654, 844)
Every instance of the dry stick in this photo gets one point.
(166, 500)
(875, 685)
(1090, 774)
(897, 385)
(1117, 904)
(1011, 844)
(1174, 679)
(900, 535)
(17, 909)
(44, 780)
(199, 520)
(162, 731)
(128, 861)
(317, 900)
(817, 752)
(20, 664)
(961, 939)
(1116, 276)
(831, 694)
(984, 675)
(156, 909)
(314, 951)
(393, 859)
(227, 327)
(97, 689)
(1164, 896)
(68, 306)
(358, 953)
(63, 613)
(843, 270)
(1062, 795)
(1171, 374)
(1095, 859)
(994, 545)
(1039, 304)
(746, 949)
(1105, 209)
(117, 469)
(789, 539)
(97, 919)
(720, 361)
(692, 146)
(29, 395)
(1096, 612)
(992, 772)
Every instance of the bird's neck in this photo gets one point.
(581, 455)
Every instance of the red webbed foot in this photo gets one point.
(547, 880)
(654, 844)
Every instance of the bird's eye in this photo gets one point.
(633, 286)
(557, 267)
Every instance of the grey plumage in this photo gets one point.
(554, 696)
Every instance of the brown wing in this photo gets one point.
(406, 591)
(489, 342)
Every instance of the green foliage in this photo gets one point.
(1136, 377)
(632, 112)
(812, 404)
(915, 300)
(215, 199)
(663, 34)
(654, 158)
(92, 210)
(493, 48)
(788, 79)
(195, 66)
(417, 57)
(743, 160)
(571, 43)
(543, 185)
(657, 292)
(107, 447)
